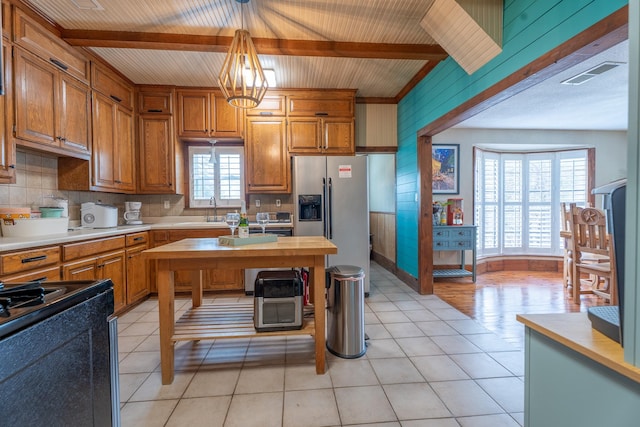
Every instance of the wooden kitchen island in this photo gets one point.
(207, 253)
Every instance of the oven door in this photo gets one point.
(271, 314)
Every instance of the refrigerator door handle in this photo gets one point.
(326, 209)
(330, 209)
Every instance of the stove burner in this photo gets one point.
(21, 296)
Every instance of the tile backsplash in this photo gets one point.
(37, 178)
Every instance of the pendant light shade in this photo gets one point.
(241, 79)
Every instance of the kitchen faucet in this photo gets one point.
(212, 202)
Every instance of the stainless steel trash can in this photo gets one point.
(345, 311)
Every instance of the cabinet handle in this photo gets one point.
(135, 239)
(266, 113)
(322, 114)
(154, 111)
(33, 259)
(58, 64)
(12, 166)
(117, 181)
(115, 98)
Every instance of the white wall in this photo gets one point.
(611, 152)
(376, 125)
(382, 182)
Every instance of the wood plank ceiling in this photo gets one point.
(375, 46)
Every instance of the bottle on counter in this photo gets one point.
(243, 226)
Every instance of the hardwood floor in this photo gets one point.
(496, 298)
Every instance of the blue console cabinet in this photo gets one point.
(459, 238)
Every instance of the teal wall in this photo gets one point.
(530, 30)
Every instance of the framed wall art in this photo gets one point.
(445, 168)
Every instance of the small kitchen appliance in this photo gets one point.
(98, 215)
(278, 301)
(132, 213)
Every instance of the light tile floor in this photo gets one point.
(426, 365)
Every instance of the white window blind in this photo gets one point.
(222, 179)
(518, 195)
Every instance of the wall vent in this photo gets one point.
(87, 4)
(591, 73)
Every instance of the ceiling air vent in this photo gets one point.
(87, 4)
(591, 73)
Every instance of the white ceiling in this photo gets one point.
(332, 21)
(598, 104)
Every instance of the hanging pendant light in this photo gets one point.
(241, 79)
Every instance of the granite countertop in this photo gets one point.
(77, 233)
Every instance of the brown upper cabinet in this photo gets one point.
(159, 152)
(271, 105)
(7, 146)
(52, 109)
(109, 84)
(113, 146)
(267, 163)
(207, 114)
(321, 122)
(6, 20)
(321, 104)
(155, 101)
(36, 39)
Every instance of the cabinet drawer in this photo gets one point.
(452, 245)
(83, 249)
(137, 238)
(308, 106)
(112, 86)
(155, 102)
(29, 260)
(271, 105)
(38, 40)
(51, 274)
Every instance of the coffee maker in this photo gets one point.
(132, 213)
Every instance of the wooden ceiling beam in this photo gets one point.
(200, 43)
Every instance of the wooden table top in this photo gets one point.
(574, 331)
(210, 247)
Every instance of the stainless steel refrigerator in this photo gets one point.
(331, 199)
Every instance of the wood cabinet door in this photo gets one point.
(112, 266)
(74, 115)
(304, 135)
(156, 154)
(81, 270)
(35, 99)
(268, 167)
(224, 280)
(227, 120)
(124, 150)
(7, 145)
(338, 136)
(137, 274)
(103, 141)
(193, 114)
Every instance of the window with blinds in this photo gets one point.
(221, 177)
(518, 196)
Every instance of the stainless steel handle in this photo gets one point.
(330, 209)
(325, 208)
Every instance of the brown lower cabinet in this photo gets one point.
(214, 280)
(50, 274)
(106, 266)
(137, 274)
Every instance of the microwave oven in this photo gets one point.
(277, 302)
